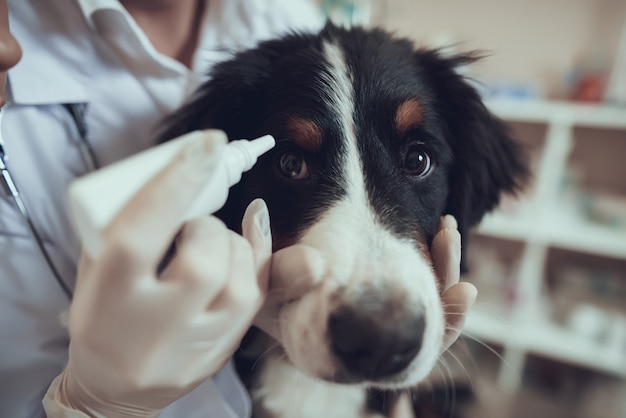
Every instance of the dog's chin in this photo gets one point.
(303, 338)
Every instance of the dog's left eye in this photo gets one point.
(292, 165)
(416, 161)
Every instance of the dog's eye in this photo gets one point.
(292, 165)
(416, 161)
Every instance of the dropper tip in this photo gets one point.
(261, 145)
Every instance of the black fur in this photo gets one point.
(486, 162)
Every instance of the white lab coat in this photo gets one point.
(128, 88)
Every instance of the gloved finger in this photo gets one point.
(139, 235)
(85, 263)
(457, 301)
(403, 407)
(295, 270)
(84, 282)
(448, 222)
(255, 227)
(200, 266)
(241, 297)
(446, 252)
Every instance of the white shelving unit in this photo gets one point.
(539, 227)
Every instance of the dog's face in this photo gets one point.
(375, 141)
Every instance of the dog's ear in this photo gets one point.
(487, 162)
(229, 100)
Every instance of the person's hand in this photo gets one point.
(141, 341)
(403, 407)
(295, 270)
(458, 297)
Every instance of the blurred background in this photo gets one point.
(547, 338)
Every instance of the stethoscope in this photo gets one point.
(77, 112)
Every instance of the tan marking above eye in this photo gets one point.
(409, 115)
(305, 133)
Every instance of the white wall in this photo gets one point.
(531, 41)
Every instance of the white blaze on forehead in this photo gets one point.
(351, 227)
(340, 89)
(341, 93)
(348, 216)
(350, 233)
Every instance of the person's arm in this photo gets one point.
(139, 341)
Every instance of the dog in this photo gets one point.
(376, 140)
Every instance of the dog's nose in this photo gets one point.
(371, 346)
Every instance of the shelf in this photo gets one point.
(554, 231)
(575, 114)
(544, 222)
(546, 339)
(513, 228)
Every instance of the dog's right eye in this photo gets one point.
(292, 165)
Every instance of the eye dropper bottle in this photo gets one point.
(95, 199)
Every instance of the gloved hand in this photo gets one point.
(294, 271)
(140, 342)
(458, 297)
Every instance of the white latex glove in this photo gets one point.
(458, 297)
(295, 270)
(140, 342)
(403, 407)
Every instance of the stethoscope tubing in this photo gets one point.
(77, 112)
